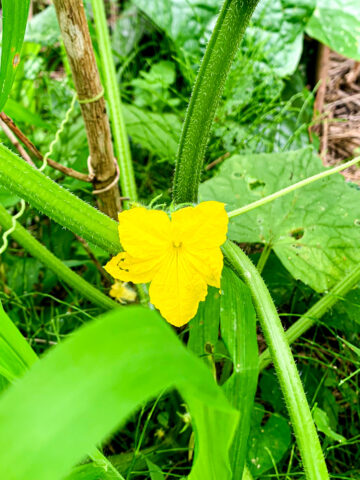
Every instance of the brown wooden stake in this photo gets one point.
(79, 49)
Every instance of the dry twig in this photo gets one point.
(37, 154)
(23, 153)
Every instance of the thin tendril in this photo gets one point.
(43, 166)
(58, 133)
(9, 232)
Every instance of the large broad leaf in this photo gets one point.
(15, 13)
(44, 28)
(267, 442)
(159, 134)
(279, 26)
(336, 24)
(185, 21)
(315, 231)
(103, 373)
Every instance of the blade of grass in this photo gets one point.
(238, 330)
(37, 250)
(291, 386)
(204, 327)
(115, 363)
(112, 90)
(15, 14)
(16, 356)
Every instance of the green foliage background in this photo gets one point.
(313, 234)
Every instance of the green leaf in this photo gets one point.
(43, 28)
(104, 372)
(14, 14)
(16, 356)
(204, 327)
(7, 199)
(336, 24)
(279, 26)
(159, 134)
(185, 21)
(238, 330)
(267, 442)
(90, 471)
(315, 231)
(345, 315)
(25, 271)
(270, 391)
(278, 280)
(323, 425)
(21, 114)
(154, 471)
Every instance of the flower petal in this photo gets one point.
(207, 263)
(144, 233)
(201, 227)
(177, 289)
(129, 269)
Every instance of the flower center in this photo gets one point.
(176, 244)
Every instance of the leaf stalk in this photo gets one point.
(291, 386)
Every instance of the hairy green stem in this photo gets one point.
(122, 148)
(56, 202)
(37, 250)
(299, 411)
(316, 311)
(220, 52)
(291, 188)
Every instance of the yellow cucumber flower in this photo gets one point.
(180, 256)
(122, 292)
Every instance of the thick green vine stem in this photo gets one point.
(220, 52)
(37, 250)
(56, 202)
(317, 311)
(122, 148)
(291, 386)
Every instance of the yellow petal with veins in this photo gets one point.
(180, 257)
(177, 289)
(207, 263)
(129, 269)
(144, 233)
(201, 227)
